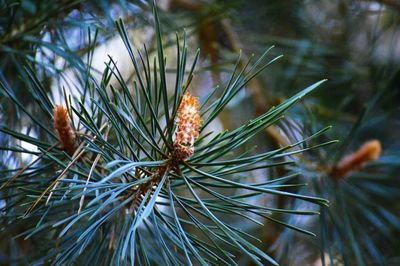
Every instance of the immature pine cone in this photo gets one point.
(65, 133)
(188, 122)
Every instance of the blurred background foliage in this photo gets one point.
(354, 44)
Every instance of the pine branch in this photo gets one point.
(134, 171)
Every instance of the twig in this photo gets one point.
(27, 166)
(87, 182)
